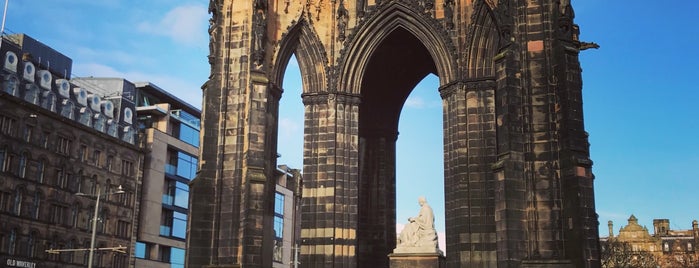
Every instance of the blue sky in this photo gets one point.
(640, 92)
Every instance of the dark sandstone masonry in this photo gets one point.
(518, 179)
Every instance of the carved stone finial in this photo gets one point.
(449, 13)
(342, 19)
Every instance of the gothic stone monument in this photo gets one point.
(518, 180)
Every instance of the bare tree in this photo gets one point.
(617, 254)
(679, 260)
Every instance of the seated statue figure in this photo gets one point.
(419, 234)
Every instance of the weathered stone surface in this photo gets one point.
(417, 260)
(518, 178)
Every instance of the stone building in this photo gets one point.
(60, 146)
(519, 187)
(671, 248)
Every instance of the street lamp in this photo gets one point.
(94, 220)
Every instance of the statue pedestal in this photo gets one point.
(547, 264)
(417, 260)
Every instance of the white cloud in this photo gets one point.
(183, 89)
(184, 24)
(418, 102)
(415, 102)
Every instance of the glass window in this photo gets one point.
(278, 228)
(44, 139)
(22, 170)
(169, 192)
(67, 109)
(8, 125)
(3, 152)
(166, 222)
(97, 158)
(5, 203)
(48, 101)
(12, 242)
(31, 244)
(74, 214)
(179, 225)
(189, 135)
(85, 117)
(99, 122)
(31, 94)
(123, 228)
(110, 162)
(63, 146)
(28, 132)
(10, 85)
(186, 127)
(177, 258)
(182, 195)
(83, 153)
(19, 197)
(186, 165)
(40, 171)
(126, 168)
(278, 216)
(141, 250)
(279, 204)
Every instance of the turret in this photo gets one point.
(661, 227)
(610, 224)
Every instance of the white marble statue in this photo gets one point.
(419, 235)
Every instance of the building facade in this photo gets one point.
(669, 248)
(61, 146)
(287, 205)
(171, 128)
(170, 131)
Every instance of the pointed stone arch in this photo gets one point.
(483, 44)
(302, 40)
(393, 16)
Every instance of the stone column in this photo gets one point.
(330, 197)
(377, 197)
(469, 150)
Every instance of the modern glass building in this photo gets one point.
(287, 205)
(171, 131)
